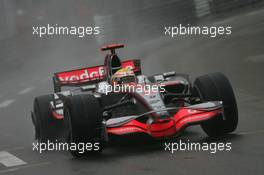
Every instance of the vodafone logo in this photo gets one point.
(88, 74)
(82, 74)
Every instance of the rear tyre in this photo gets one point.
(46, 126)
(84, 115)
(216, 87)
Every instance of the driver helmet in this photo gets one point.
(123, 76)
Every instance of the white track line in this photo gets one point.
(9, 160)
(6, 103)
(23, 167)
(25, 91)
(14, 148)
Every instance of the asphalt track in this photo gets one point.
(27, 64)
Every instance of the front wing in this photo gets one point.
(168, 127)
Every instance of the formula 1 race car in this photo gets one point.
(93, 111)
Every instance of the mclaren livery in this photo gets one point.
(86, 111)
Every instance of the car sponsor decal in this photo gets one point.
(89, 74)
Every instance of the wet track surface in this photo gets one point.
(27, 64)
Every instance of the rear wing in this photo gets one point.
(89, 75)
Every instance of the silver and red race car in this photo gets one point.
(89, 112)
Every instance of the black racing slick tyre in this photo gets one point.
(84, 115)
(46, 126)
(216, 87)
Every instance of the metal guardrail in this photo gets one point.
(117, 18)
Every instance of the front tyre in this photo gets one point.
(84, 115)
(46, 126)
(216, 87)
